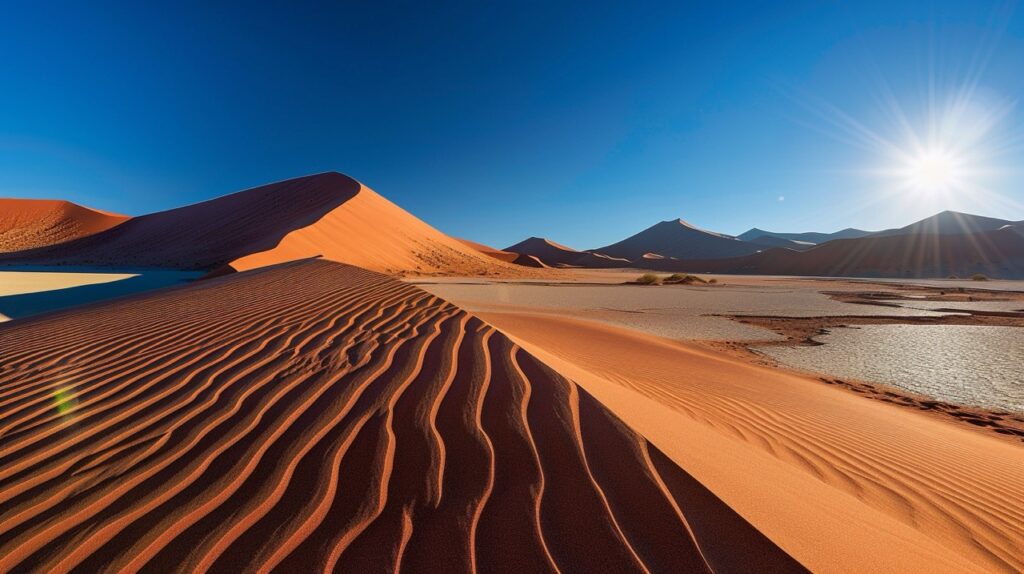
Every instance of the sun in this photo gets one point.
(934, 170)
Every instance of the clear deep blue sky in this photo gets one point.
(496, 121)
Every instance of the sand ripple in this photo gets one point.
(315, 416)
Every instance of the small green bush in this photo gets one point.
(684, 279)
(649, 279)
(979, 277)
(952, 277)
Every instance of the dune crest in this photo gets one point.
(328, 215)
(313, 416)
(369, 231)
(31, 223)
(551, 254)
(506, 256)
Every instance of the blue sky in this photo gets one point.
(495, 121)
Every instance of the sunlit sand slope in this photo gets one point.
(843, 483)
(31, 223)
(314, 416)
(329, 215)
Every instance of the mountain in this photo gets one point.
(950, 223)
(32, 223)
(808, 236)
(677, 238)
(327, 215)
(998, 253)
(557, 255)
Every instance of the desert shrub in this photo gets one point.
(979, 277)
(684, 278)
(712, 280)
(649, 279)
(952, 277)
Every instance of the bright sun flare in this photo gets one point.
(933, 170)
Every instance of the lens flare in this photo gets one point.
(939, 137)
(64, 400)
(934, 170)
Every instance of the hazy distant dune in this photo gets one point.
(553, 254)
(677, 238)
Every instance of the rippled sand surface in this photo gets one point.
(965, 364)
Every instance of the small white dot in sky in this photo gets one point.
(782, 198)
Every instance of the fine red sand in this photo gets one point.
(328, 215)
(31, 223)
(312, 416)
(506, 256)
(551, 254)
(840, 482)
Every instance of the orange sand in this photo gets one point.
(313, 416)
(840, 482)
(30, 223)
(369, 231)
(506, 256)
(328, 215)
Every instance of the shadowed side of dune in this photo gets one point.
(328, 215)
(315, 416)
(204, 235)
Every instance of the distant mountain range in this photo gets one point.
(948, 243)
(951, 223)
(808, 236)
(998, 253)
(681, 240)
(337, 218)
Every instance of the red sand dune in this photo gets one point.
(31, 223)
(328, 215)
(553, 254)
(530, 261)
(311, 415)
(506, 256)
(840, 482)
(997, 253)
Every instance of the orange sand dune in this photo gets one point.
(312, 416)
(31, 223)
(328, 215)
(551, 254)
(506, 256)
(842, 483)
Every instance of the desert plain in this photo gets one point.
(305, 377)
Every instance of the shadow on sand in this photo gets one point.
(26, 304)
